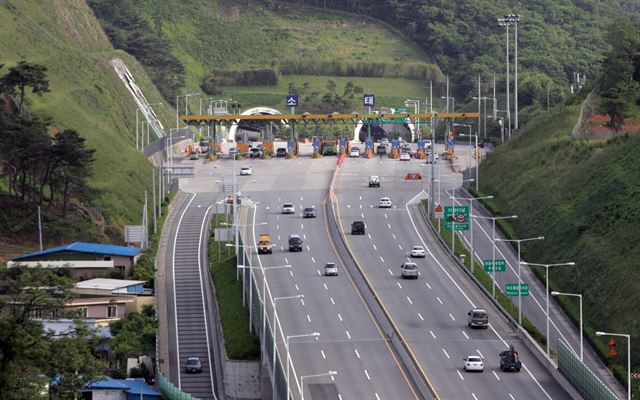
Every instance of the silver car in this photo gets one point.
(330, 269)
(288, 208)
(409, 270)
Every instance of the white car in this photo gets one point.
(418, 251)
(355, 152)
(405, 157)
(330, 269)
(384, 202)
(245, 170)
(473, 363)
(427, 143)
(288, 208)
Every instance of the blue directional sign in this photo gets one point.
(394, 143)
(368, 143)
(292, 100)
(343, 143)
(451, 142)
(421, 144)
(290, 144)
(369, 100)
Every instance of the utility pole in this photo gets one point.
(479, 99)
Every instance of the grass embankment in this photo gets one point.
(208, 36)
(583, 196)
(86, 95)
(239, 343)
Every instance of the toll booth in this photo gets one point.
(329, 148)
(267, 150)
(421, 152)
(316, 143)
(368, 148)
(395, 148)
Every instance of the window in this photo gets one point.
(107, 258)
(112, 312)
(36, 313)
(84, 312)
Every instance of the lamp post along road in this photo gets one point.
(453, 202)
(473, 252)
(504, 22)
(313, 334)
(546, 266)
(493, 245)
(628, 357)
(475, 153)
(275, 329)
(579, 296)
(302, 378)
(519, 262)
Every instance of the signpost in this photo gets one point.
(439, 212)
(515, 290)
(292, 100)
(456, 218)
(369, 100)
(501, 265)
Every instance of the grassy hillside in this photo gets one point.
(583, 196)
(86, 95)
(210, 34)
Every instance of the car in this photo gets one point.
(478, 318)
(295, 243)
(264, 244)
(384, 202)
(245, 171)
(384, 140)
(405, 147)
(429, 158)
(255, 152)
(409, 270)
(357, 228)
(427, 143)
(193, 156)
(418, 251)
(309, 212)
(382, 149)
(193, 366)
(374, 181)
(288, 208)
(509, 360)
(330, 269)
(355, 152)
(233, 152)
(473, 363)
(281, 152)
(405, 157)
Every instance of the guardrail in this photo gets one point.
(169, 390)
(582, 378)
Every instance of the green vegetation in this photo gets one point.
(85, 96)
(239, 343)
(134, 336)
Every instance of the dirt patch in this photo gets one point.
(229, 11)
(597, 127)
(80, 24)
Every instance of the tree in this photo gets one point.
(74, 161)
(135, 335)
(615, 105)
(22, 76)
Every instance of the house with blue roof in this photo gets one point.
(121, 389)
(86, 260)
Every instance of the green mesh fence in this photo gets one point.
(580, 376)
(169, 391)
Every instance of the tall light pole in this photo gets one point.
(275, 329)
(186, 96)
(628, 357)
(514, 19)
(476, 155)
(493, 245)
(286, 346)
(546, 267)
(519, 259)
(579, 296)
(473, 252)
(503, 22)
(453, 224)
(302, 378)
(416, 108)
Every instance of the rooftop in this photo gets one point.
(80, 247)
(106, 284)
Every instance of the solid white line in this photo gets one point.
(465, 334)
(445, 353)
(452, 317)
(323, 356)
(420, 316)
(332, 302)
(375, 248)
(367, 374)
(349, 336)
(439, 300)
(496, 375)
(357, 354)
(460, 375)
(399, 285)
(308, 317)
(325, 286)
(433, 334)
(409, 298)
(340, 317)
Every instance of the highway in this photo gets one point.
(431, 312)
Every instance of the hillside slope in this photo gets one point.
(583, 196)
(86, 95)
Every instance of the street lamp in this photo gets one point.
(275, 329)
(554, 293)
(286, 346)
(520, 280)
(493, 244)
(505, 22)
(416, 107)
(475, 151)
(546, 266)
(628, 357)
(186, 97)
(302, 378)
(471, 199)
(514, 19)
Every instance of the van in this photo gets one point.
(357, 228)
(478, 318)
(295, 243)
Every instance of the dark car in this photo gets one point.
(255, 153)
(478, 318)
(295, 243)
(281, 152)
(357, 228)
(309, 212)
(193, 365)
(382, 149)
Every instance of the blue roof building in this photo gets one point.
(130, 389)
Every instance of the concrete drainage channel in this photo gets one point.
(407, 360)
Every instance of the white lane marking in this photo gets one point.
(433, 334)
(332, 302)
(279, 200)
(460, 375)
(277, 218)
(465, 334)
(360, 198)
(319, 274)
(400, 247)
(348, 205)
(474, 396)
(390, 272)
(308, 249)
(301, 226)
(452, 317)
(369, 235)
(313, 259)
(297, 288)
(512, 398)
(394, 236)
(377, 397)
(496, 375)
(291, 273)
(357, 354)
(362, 215)
(381, 259)
(277, 227)
(325, 286)
(386, 216)
(409, 299)
(361, 206)
(323, 356)
(374, 247)
(286, 261)
(304, 236)
(301, 198)
(399, 285)
(340, 317)
(349, 336)
(278, 236)
(367, 374)
(281, 248)
(427, 284)
(439, 300)
(339, 395)
(445, 353)
(302, 301)
(480, 354)
(420, 316)
(308, 317)
(389, 225)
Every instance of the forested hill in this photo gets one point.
(555, 37)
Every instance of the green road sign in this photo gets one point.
(515, 290)
(501, 265)
(456, 218)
